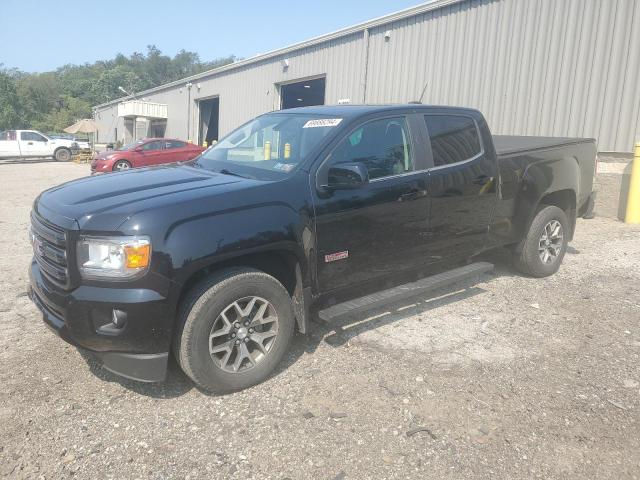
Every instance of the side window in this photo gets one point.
(32, 137)
(382, 146)
(454, 138)
(174, 144)
(157, 145)
(8, 135)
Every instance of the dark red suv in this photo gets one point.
(144, 153)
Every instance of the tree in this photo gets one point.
(106, 86)
(51, 101)
(9, 105)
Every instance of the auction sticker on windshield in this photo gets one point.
(323, 122)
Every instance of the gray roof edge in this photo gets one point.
(376, 22)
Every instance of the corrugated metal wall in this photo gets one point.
(251, 90)
(533, 67)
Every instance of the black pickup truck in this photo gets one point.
(221, 258)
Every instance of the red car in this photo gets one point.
(144, 153)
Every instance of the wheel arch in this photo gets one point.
(61, 147)
(551, 182)
(565, 200)
(113, 165)
(283, 264)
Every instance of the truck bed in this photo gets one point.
(511, 144)
(542, 162)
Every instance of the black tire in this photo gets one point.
(200, 310)
(526, 255)
(62, 155)
(121, 165)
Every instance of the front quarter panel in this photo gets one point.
(199, 241)
(189, 236)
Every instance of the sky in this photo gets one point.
(38, 36)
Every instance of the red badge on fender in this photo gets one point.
(332, 257)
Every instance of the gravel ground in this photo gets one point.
(508, 377)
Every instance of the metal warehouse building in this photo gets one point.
(533, 67)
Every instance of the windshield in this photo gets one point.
(273, 143)
(131, 146)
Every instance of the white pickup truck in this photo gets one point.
(30, 143)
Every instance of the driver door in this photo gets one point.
(151, 153)
(377, 229)
(33, 144)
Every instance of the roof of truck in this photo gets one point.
(358, 110)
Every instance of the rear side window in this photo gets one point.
(8, 135)
(174, 144)
(454, 138)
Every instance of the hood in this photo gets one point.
(104, 202)
(104, 154)
(62, 141)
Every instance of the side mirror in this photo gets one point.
(138, 149)
(347, 176)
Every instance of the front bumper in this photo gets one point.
(100, 167)
(83, 317)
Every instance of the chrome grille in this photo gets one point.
(50, 250)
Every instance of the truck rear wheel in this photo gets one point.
(62, 155)
(541, 251)
(233, 329)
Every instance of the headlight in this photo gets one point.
(113, 257)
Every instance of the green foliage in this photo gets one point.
(51, 101)
(9, 104)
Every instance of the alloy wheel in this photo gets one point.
(551, 241)
(243, 334)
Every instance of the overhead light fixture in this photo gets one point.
(307, 86)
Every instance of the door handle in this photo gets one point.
(29, 143)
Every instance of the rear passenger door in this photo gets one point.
(375, 230)
(174, 151)
(462, 185)
(9, 144)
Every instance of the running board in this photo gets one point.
(408, 290)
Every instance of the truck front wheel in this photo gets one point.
(62, 155)
(233, 329)
(541, 251)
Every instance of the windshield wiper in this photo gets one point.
(224, 171)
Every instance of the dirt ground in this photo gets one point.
(505, 378)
